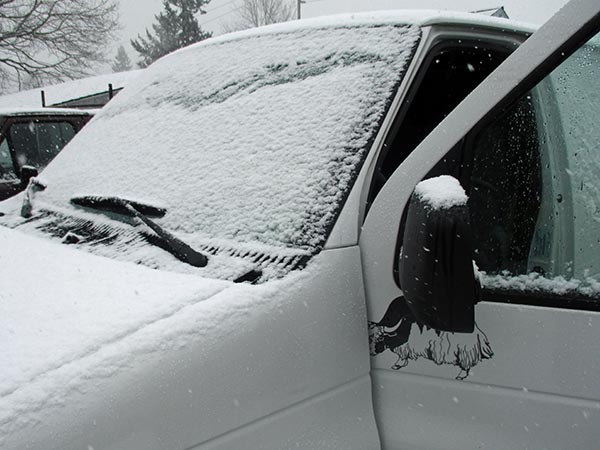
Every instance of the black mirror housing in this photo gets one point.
(436, 264)
(27, 173)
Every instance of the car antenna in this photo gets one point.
(43, 93)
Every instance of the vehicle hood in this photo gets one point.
(68, 318)
(104, 354)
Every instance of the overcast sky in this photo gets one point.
(136, 15)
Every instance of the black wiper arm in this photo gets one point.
(117, 205)
(143, 212)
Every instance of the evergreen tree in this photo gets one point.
(176, 26)
(121, 63)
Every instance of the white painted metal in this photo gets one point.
(347, 227)
(299, 374)
(540, 389)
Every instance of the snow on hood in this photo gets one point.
(60, 306)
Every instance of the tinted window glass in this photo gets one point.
(6, 164)
(453, 70)
(37, 143)
(505, 185)
(533, 180)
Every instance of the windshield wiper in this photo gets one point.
(142, 213)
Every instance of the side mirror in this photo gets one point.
(27, 173)
(436, 263)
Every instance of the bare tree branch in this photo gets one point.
(256, 13)
(53, 39)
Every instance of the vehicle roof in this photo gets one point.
(421, 18)
(40, 111)
(68, 90)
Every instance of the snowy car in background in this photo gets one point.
(30, 139)
(320, 249)
(90, 92)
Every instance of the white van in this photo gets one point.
(216, 261)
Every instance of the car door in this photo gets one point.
(526, 149)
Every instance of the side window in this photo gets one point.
(7, 172)
(505, 190)
(533, 180)
(36, 143)
(452, 70)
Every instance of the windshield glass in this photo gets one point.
(252, 140)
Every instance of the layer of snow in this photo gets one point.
(39, 111)
(536, 283)
(45, 303)
(418, 17)
(256, 140)
(69, 320)
(59, 306)
(441, 192)
(69, 90)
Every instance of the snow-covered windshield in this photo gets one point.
(254, 139)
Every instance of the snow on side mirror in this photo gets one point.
(436, 262)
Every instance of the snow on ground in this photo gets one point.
(69, 90)
(252, 140)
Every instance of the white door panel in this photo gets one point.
(341, 419)
(424, 413)
(534, 349)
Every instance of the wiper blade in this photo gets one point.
(142, 212)
(117, 205)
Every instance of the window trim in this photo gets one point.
(539, 299)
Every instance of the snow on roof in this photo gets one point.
(67, 91)
(416, 17)
(39, 111)
(255, 140)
